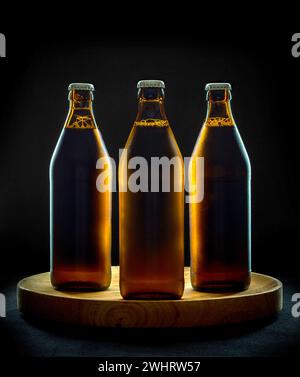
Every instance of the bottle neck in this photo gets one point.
(151, 109)
(80, 114)
(218, 109)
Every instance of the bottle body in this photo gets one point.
(220, 224)
(80, 215)
(151, 222)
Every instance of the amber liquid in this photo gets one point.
(151, 224)
(220, 224)
(79, 214)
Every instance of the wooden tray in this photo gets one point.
(37, 298)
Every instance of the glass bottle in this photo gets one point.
(220, 224)
(80, 212)
(151, 211)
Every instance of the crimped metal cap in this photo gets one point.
(150, 84)
(81, 86)
(217, 86)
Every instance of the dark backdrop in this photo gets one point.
(33, 94)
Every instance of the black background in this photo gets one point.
(34, 79)
(33, 95)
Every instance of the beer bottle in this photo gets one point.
(151, 206)
(220, 229)
(80, 213)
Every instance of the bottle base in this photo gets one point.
(220, 283)
(79, 286)
(79, 281)
(221, 287)
(150, 296)
(147, 289)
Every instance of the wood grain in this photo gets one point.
(37, 298)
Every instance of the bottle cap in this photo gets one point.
(150, 84)
(81, 86)
(218, 86)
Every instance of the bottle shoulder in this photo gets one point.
(222, 148)
(79, 145)
(151, 141)
(218, 140)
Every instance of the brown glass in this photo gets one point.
(220, 225)
(151, 224)
(80, 215)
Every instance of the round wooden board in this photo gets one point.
(37, 298)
